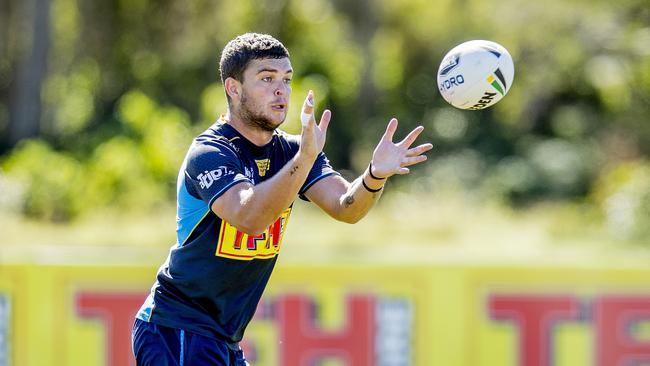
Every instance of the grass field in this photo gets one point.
(401, 229)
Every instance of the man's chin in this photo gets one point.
(277, 119)
(268, 124)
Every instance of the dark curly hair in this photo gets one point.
(244, 48)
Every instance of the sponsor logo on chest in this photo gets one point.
(235, 244)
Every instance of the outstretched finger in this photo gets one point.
(413, 160)
(419, 149)
(410, 138)
(307, 113)
(403, 170)
(390, 130)
(325, 121)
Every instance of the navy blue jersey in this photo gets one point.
(214, 276)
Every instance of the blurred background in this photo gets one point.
(99, 102)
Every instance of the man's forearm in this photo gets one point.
(264, 202)
(361, 196)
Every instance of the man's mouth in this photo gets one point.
(280, 107)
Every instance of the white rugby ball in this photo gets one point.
(475, 74)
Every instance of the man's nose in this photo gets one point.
(281, 90)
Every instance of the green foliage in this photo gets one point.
(52, 180)
(129, 83)
(623, 193)
(133, 171)
(118, 175)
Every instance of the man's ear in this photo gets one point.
(233, 88)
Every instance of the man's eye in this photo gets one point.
(267, 79)
(287, 81)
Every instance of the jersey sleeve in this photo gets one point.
(211, 170)
(319, 170)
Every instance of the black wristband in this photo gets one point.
(368, 188)
(372, 175)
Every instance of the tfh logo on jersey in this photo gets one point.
(208, 177)
(234, 244)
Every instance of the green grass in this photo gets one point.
(401, 229)
(410, 229)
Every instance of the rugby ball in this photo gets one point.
(475, 74)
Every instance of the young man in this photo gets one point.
(235, 192)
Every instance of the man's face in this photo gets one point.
(266, 92)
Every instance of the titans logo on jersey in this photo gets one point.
(215, 274)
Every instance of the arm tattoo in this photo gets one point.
(349, 200)
(293, 170)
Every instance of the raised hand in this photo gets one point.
(393, 158)
(313, 135)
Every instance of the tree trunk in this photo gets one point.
(25, 108)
